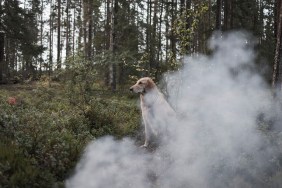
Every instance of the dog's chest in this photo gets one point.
(148, 111)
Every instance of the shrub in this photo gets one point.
(42, 133)
(115, 117)
(42, 137)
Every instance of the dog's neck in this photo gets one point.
(149, 98)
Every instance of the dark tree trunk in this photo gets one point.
(182, 6)
(68, 30)
(218, 15)
(277, 72)
(41, 36)
(1, 57)
(149, 34)
(59, 65)
(173, 37)
(188, 24)
(85, 19)
(90, 30)
(73, 31)
(112, 49)
(80, 26)
(51, 23)
(153, 59)
(226, 15)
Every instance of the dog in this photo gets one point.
(157, 114)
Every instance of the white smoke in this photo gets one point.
(217, 141)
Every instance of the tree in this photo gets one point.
(59, 63)
(112, 45)
(1, 57)
(218, 14)
(68, 25)
(277, 70)
(20, 28)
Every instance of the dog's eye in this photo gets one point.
(140, 83)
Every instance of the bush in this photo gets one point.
(17, 170)
(115, 117)
(43, 136)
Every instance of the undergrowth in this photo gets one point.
(44, 133)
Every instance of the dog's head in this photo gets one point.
(143, 85)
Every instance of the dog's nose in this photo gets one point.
(131, 89)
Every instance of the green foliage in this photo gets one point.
(80, 77)
(186, 26)
(44, 134)
(18, 24)
(84, 92)
(115, 117)
(19, 171)
(43, 127)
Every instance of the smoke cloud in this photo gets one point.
(218, 141)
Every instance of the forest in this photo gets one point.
(66, 67)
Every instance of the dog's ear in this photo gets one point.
(150, 84)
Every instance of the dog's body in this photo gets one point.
(156, 112)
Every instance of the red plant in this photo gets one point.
(12, 100)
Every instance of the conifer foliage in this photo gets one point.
(126, 38)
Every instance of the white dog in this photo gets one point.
(157, 114)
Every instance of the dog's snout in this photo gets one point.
(131, 89)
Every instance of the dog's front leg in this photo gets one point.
(147, 132)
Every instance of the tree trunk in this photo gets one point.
(173, 37)
(149, 35)
(59, 64)
(1, 57)
(166, 32)
(218, 14)
(80, 26)
(112, 66)
(160, 51)
(188, 23)
(51, 22)
(182, 6)
(277, 72)
(90, 30)
(153, 50)
(68, 30)
(41, 36)
(85, 20)
(73, 30)
(228, 18)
